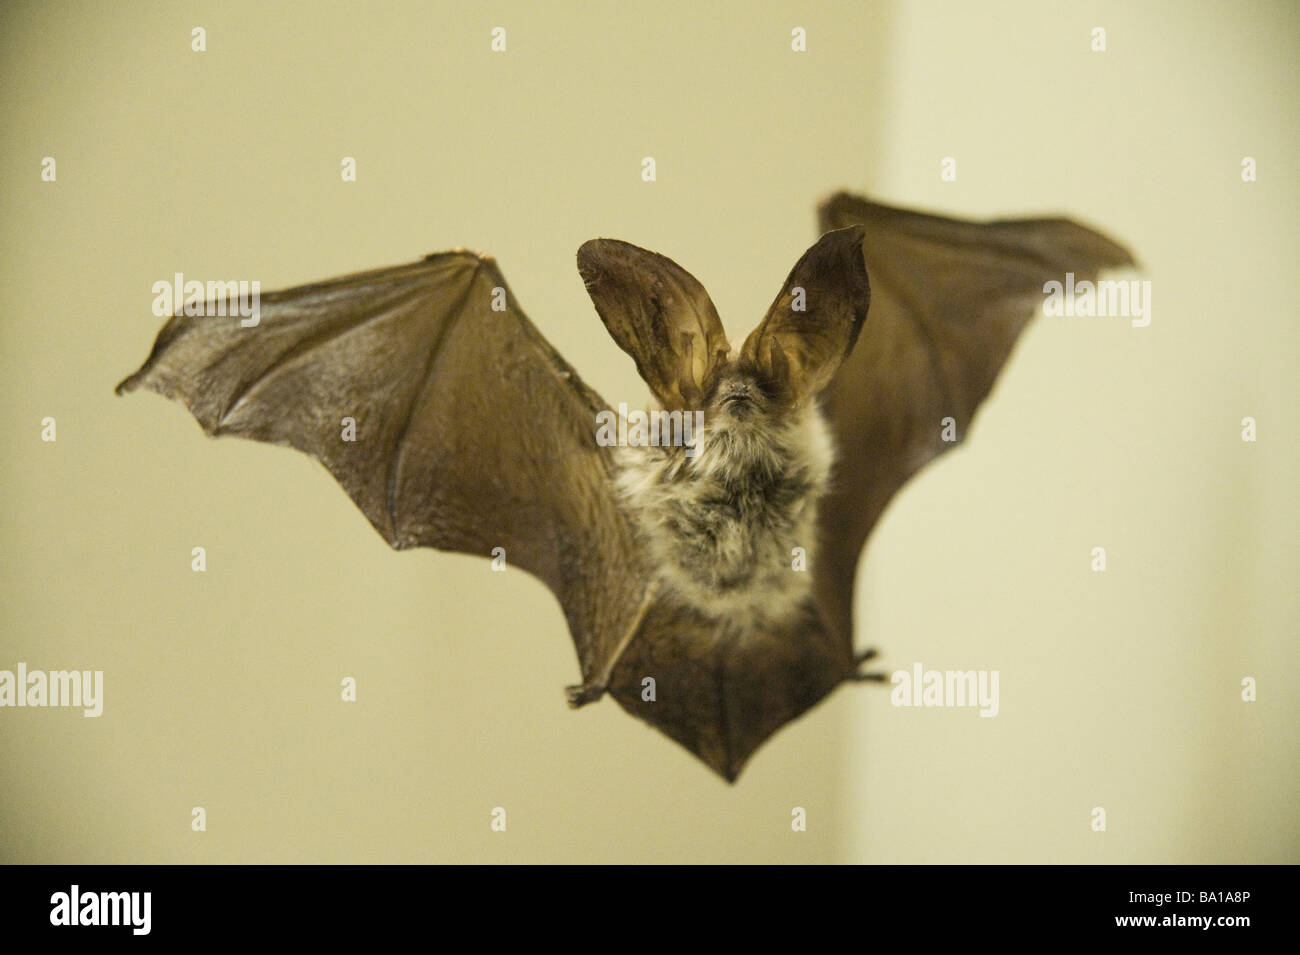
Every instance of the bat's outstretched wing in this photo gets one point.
(948, 300)
(468, 430)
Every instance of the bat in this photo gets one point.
(707, 578)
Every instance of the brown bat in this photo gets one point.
(707, 578)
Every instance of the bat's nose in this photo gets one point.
(740, 391)
(739, 403)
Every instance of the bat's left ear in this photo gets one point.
(660, 315)
(811, 327)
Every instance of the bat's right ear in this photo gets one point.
(812, 326)
(660, 315)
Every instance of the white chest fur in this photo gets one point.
(725, 529)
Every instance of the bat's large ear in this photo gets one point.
(811, 327)
(660, 315)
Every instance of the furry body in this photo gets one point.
(721, 527)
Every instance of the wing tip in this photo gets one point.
(838, 196)
(829, 209)
(1096, 250)
(1123, 257)
(460, 252)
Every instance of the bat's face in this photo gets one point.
(738, 398)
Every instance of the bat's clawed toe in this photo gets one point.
(869, 676)
(862, 656)
(579, 695)
(872, 676)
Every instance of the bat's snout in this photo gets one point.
(738, 398)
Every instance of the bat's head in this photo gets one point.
(660, 314)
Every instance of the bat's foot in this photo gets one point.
(584, 693)
(867, 676)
